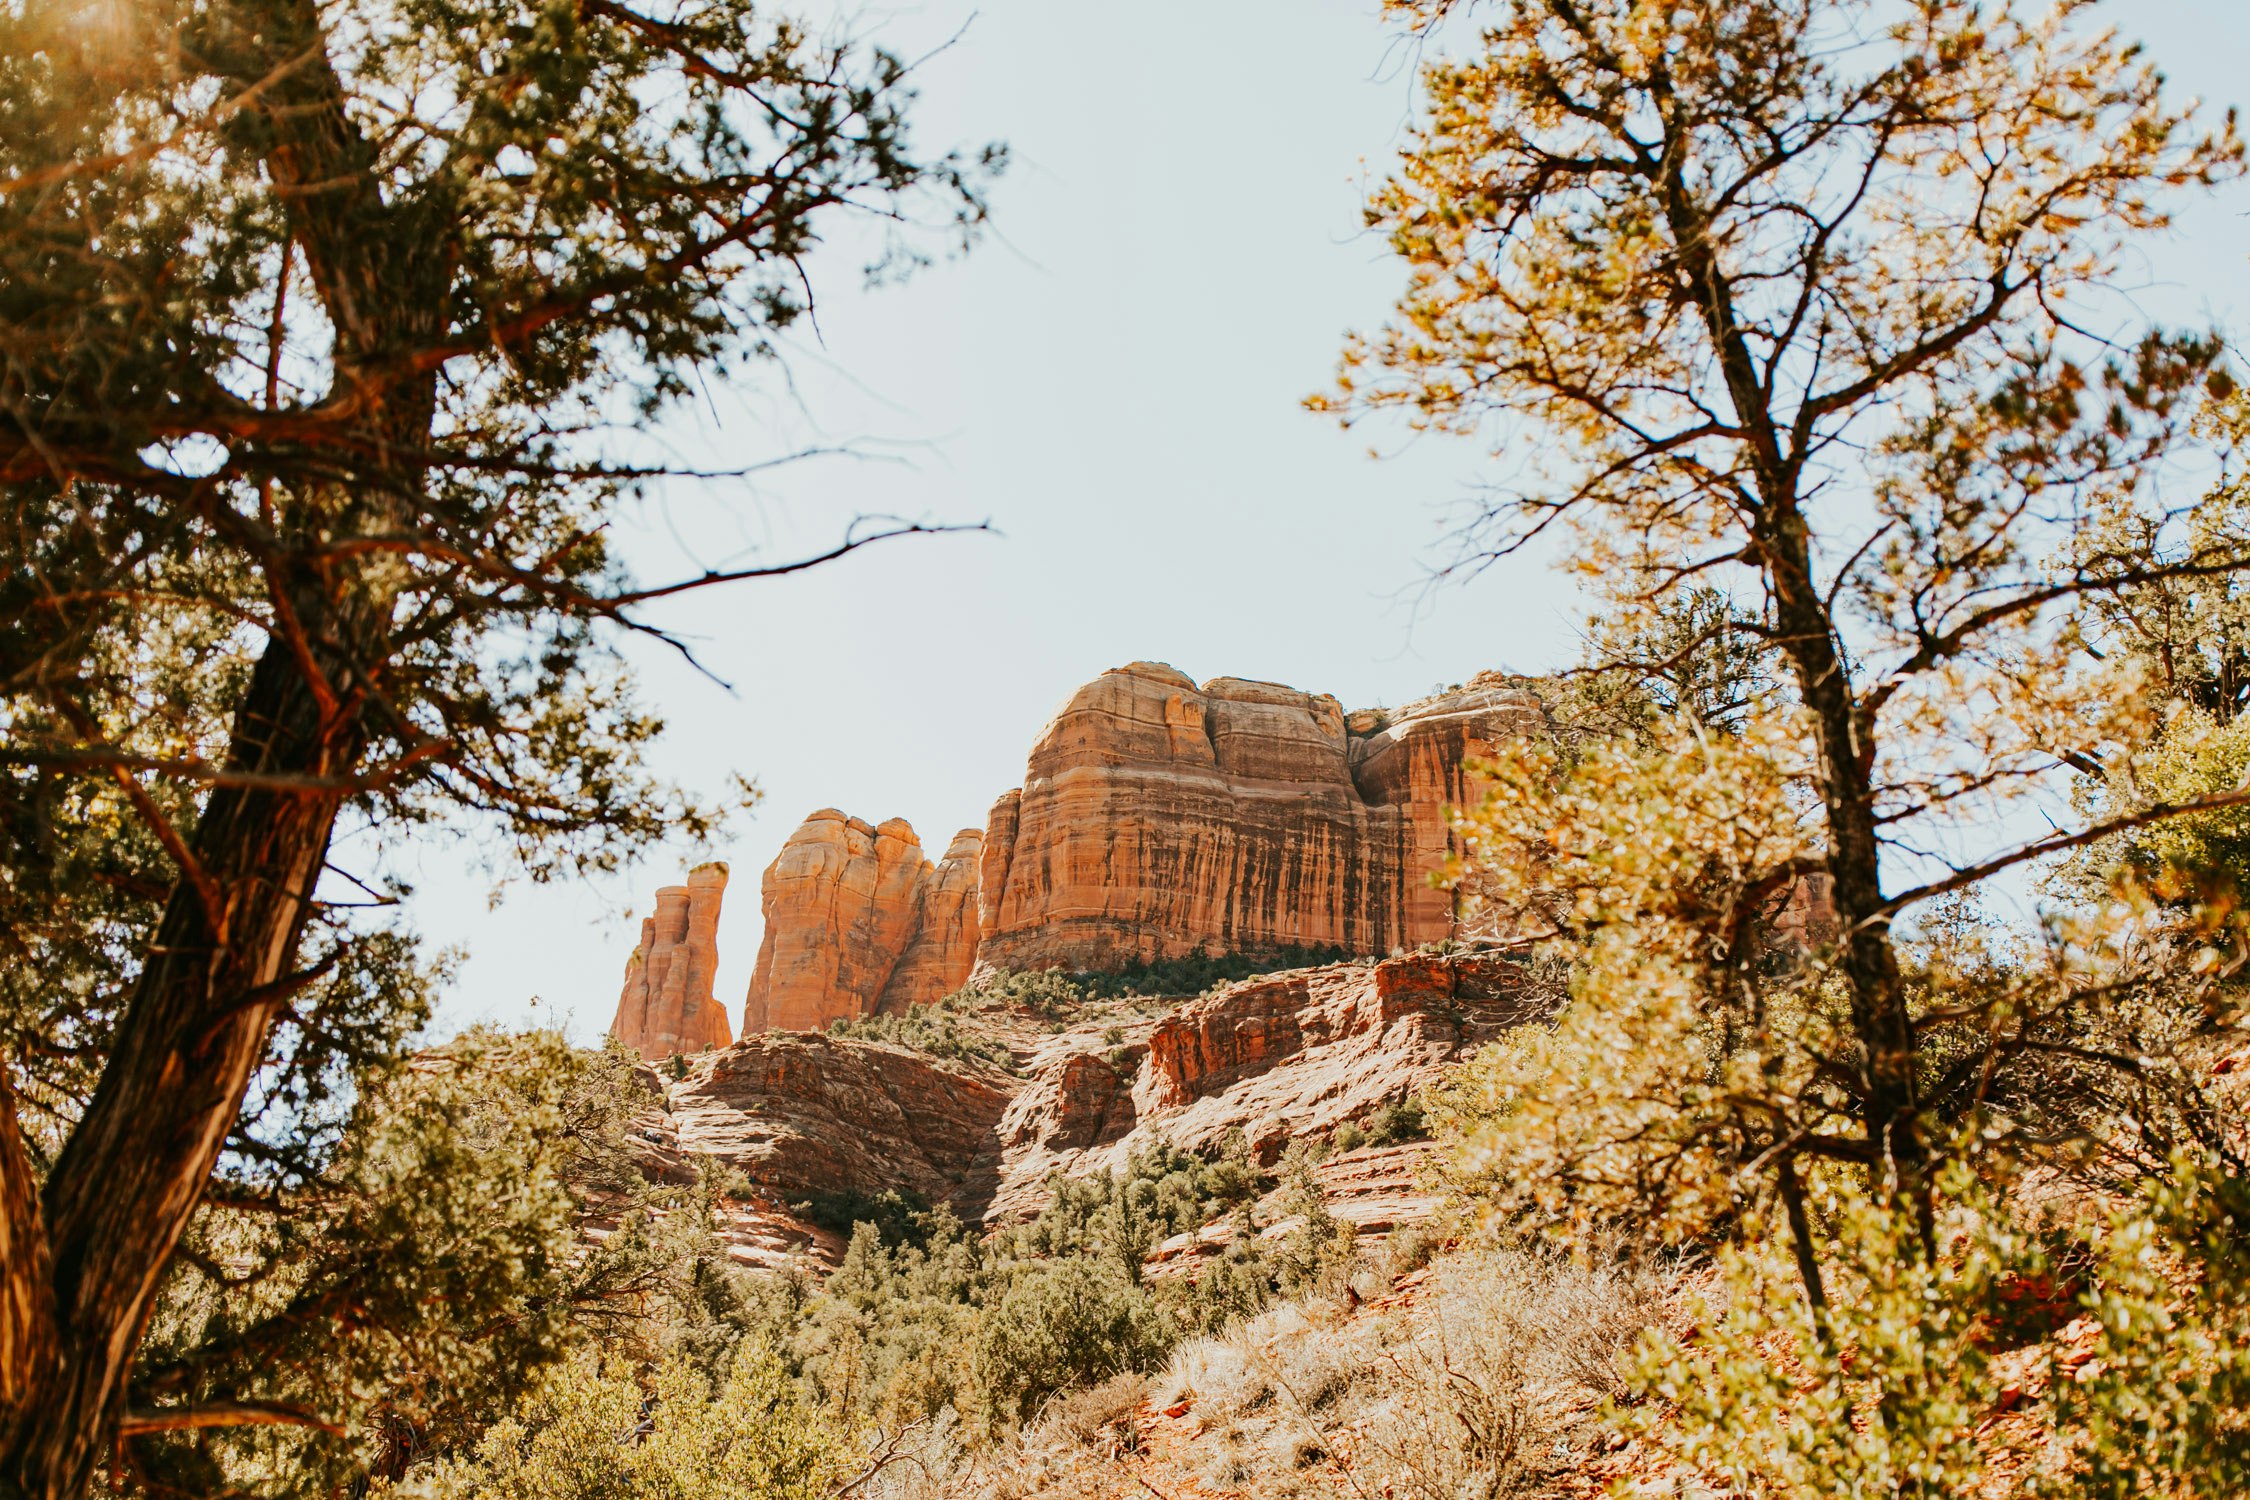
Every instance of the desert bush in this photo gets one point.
(1409, 1247)
(882, 1338)
(1398, 1121)
(935, 1029)
(1198, 972)
(1477, 1390)
(899, 1216)
(593, 1432)
(2164, 1407)
(1048, 993)
(923, 1316)
(1099, 1415)
(1060, 1324)
(1876, 1387)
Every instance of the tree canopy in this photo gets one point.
(318, 327)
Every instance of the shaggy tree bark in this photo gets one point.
(475, 293)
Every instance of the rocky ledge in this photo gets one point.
(1278, 1057)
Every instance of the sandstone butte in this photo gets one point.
(1157, 819)
(858, 920)
(667, 1005)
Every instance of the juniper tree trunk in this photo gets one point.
(84, 1259)
(134, 1169)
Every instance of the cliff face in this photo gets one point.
(857, 919)
(667, 1005)
(1156, 819)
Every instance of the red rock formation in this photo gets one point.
(802, 1114)
(667, 1005)
(857, 920)
(944, 947)
(1286, 1056)
(1158, 818)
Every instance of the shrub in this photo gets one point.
(2164, 1407)
(1063, 1323)
(932, 1029)
(1199, 972)
(1481, 1389)
(898, 1216)
(1880, 1393)
(1397, 1122)
(590, 1433)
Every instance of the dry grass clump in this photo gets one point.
(1483, 1387)
(1480, 1383)
(1081, 1445)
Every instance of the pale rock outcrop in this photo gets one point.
(858, 920)
(1158, 818)
(667, 1004)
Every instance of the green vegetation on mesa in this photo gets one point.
(1061, 997)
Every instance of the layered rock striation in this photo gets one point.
(667, 1005)
(857, 919)
(1283, 1057)
(1157, 819)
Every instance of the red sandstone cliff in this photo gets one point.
(1281, 1057)
(1156, 819)
(667, 1005)
(858, 920)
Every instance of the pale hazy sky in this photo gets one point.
(1113, 379)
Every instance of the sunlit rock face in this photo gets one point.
(1158, 818)
(857, 919)
(1282, 1057)
(667, 1005)
(939, 956)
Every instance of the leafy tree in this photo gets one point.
(593, 1433)
(318, 326)
(1805, 299)
(1881, 1392)
(386, 1307)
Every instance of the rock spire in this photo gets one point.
(667, 1004)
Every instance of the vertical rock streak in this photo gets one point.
(1156, 819)
(667, 1004)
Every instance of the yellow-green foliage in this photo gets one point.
(593, 1432)
(1886, 1401)
(2166, 1410)
(1685, 1051)
(2198, 756)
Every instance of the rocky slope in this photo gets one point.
(1279, 1057)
